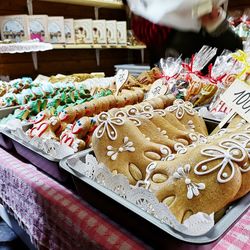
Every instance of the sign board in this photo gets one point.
(237, 97)
(158, 88)
(120, 79)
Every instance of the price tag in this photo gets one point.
(158, 88)
(41, 79)
(120, 79)
(237, 97)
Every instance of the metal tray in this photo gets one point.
(5, 142)
(6, 111)
(232, 215)
(44, 162)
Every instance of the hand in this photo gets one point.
(210, 18)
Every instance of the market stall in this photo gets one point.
(137, 159)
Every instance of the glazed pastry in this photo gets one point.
(185, 113)
(147, 128)
(120, 145)
(204, 179)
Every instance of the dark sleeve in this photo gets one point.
(224, 38)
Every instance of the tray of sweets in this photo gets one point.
(182, 240)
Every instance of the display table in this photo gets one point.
(56, 219)
(52, 215)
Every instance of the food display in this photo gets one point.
(212, 169)
(147, 134)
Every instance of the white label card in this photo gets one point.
(237, 97)
(120, 79)
(41, 79)
(158, 88)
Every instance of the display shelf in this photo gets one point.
(95, 3)
(97, 46)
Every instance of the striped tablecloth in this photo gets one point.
(52, 215)
(238, 238)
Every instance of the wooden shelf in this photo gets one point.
(94, 3)
(96, 46)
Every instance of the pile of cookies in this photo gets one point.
(169, 152)
(15, 86)
(75, 124)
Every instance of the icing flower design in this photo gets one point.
(198, 138)
(241, 140)
(181, 108)
(193, 189)
(232, 154)
(191, 125)
(129, 116)
(244, 141)
(107, 124)
(126, 147)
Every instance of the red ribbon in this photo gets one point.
(247, 22)
(212, 79)
(169, 77)
(189, 69)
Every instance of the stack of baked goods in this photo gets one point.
(170, 152)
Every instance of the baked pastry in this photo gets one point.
(147, 128)
(120, 145)
(204, 179)
(185, 113)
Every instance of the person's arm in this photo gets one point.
(172, 13)
(219, 33)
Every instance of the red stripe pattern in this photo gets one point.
(52, 215)
(238, 238)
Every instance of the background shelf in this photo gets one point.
(96, 46)
(94, 3)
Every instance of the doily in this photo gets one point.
(24, 47)
(88, 166)
(49, 147)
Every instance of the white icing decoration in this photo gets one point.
(181, 108)
(198, 138)
(107, 125)
(241, 123)
(171, 157)
(243, 140)
(160, 112)
(147, 108)
(166, 151)
(192, 187)
(226, 158)
(180, 148)
(149, 170)
(129, 115)
(126, 147)
(147, 115)
(191, 125)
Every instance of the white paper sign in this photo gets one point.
(158, 88)
(120, 79)
(237, 97)
(41, 79)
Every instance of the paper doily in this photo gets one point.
(23, 47)
(87, 165)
